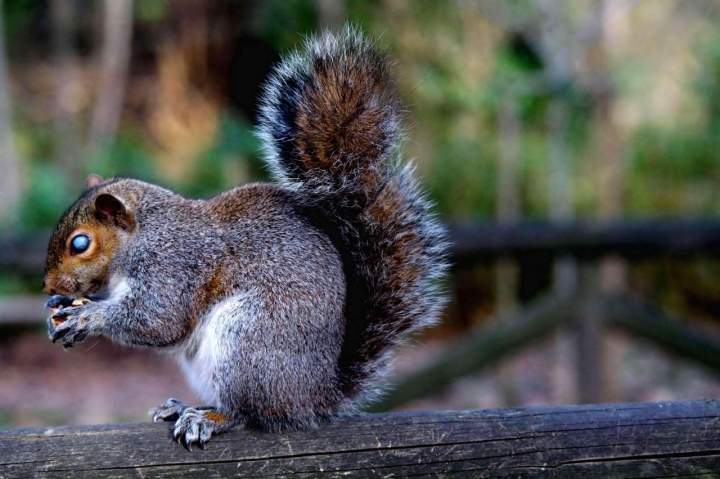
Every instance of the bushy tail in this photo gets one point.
(331, 128)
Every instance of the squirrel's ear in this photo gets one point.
(93, 180)
(111, 208)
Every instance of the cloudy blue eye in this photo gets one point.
(80, 243)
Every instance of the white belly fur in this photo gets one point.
(202, 352)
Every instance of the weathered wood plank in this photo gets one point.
(620, 441)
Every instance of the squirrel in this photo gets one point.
(282, 301)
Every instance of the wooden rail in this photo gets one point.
(667, 439)
(480, 241)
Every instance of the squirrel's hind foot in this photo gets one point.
(192, 424)
(197, 425)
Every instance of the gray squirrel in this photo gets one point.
(282, 302)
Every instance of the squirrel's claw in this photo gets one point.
(59, 332)
(194, 427)
(51, 327)
(169, 411)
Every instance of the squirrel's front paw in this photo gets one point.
(58, 300)
(68, 325)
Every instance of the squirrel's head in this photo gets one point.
(85, 241)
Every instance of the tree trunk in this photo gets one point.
(10, 187)
(115, 58)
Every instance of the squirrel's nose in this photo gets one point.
(62, 284)
(47, 288)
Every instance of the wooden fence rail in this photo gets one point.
(666, 439)
(485, 241)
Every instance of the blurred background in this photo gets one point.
(573, 146)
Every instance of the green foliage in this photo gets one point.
(50, 191)
(151, 10)
(678, 155)
(676, 169)
(517, 68)
(462, 179)
(673, 171)
(670, 169)
(12, 285)
(534, 172)
(16, 12)
(282, 22)
(708, 82)
(362, 12)
(46, 198)
(233, 159)
(126, 156)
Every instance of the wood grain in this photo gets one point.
(648, 440)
